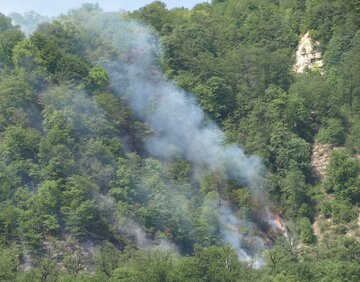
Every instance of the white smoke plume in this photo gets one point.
(180, 127)
(230, 229)
(28, 21)
(131, 228)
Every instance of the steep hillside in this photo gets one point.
(182, 145)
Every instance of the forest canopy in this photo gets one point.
(181, 145)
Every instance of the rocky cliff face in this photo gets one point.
(307, 57)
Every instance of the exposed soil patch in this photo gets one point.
(320, 159)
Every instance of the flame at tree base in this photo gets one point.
(277, 223)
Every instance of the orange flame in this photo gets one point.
(278, 222)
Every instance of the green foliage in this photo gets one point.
(8, 223)
(73, 163)
(306, 233)
(211, 264)
(293, 188)
(353, 138)
(145, 266)
(215, 97)
(340, 210)
(318, 94)
(108, 259)
(61, 51)
(70, 67)
(245, 201)
(83, 219)
(154, 14)
(98, 77)
(281, 257)
(26, 56)
(332, 133)
(19, 143)
(342, 176)
(15, 95)
(46, 271)
(9, 36)
(8, 264)
(289, 150)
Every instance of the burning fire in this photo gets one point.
(278, 222)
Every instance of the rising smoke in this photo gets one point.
(179, 125)
(28, 21)
(130, 53)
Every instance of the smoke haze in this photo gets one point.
(180, 128)
(179, 125)
(28, 21)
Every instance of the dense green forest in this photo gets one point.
(176, 145)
